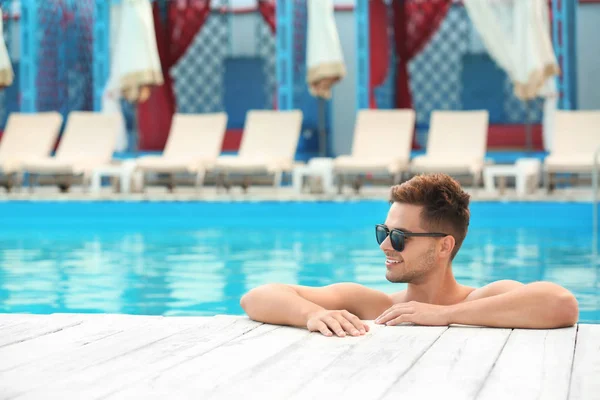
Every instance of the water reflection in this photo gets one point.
(205, 272)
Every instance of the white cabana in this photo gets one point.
(324, 58)
(516, 34)
(135, 65)
(6, 70)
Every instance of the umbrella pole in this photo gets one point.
(321, 128)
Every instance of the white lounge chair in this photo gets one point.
(193, 146)
(268, 146)
(381, 145)
(27, 137)
(456, 144)
(575, 139)
(89, 141)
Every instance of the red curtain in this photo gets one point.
(415, 22)
(267, 10)
(379, 47)
(185, 20)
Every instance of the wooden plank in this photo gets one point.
(455, 367)
(298, 365)
(118, 356)
(56, 367)
(199, 375)
(92, 329)
(108, 375)
(11, 319)
(368, 369)
(32, 327)
(534, 364)
(585, 379)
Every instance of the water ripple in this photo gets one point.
(206, 271)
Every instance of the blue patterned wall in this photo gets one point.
(9, 97)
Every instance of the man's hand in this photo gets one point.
(416, 313)
(339, 321)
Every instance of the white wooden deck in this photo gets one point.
(73, 356)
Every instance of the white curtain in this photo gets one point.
(135, 63)
(324, 58)
(111, 97)
(6, 70)
(516, 34)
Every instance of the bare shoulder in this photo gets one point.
(399, 297)
(493, 289)
(362, 301)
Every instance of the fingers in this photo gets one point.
(398, 320)
(340, 323)
(386, 316)
(381, 318)
(322, 327)
(346, 323)
(386, 313)
(396, 317)
(393, 313)
(335, 326)
(354, 320)
(348, 326)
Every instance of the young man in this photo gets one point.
(425, 227)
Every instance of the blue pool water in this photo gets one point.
(187, 258)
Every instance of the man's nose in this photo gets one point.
(386, 245)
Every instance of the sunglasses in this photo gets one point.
(398, 237)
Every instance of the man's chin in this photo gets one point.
(395, 278)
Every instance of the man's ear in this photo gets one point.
(447, 245)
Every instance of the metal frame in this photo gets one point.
(564, 31)
(284, 48)
(362, 51)
(29, 51)
(101, 70)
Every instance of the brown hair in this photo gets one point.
(445, 204)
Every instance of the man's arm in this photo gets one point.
(502, 304)
(293, 305)
(510, 304)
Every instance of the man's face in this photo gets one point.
(419, 255)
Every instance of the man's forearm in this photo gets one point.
(278, 305)
(539, 305)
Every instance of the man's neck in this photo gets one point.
(439, 287)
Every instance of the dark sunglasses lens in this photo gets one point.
(380, 233)
(397, 240)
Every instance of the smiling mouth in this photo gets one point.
(390, 261)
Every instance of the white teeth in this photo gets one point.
(391, 261)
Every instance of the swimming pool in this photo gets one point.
(198, 258)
